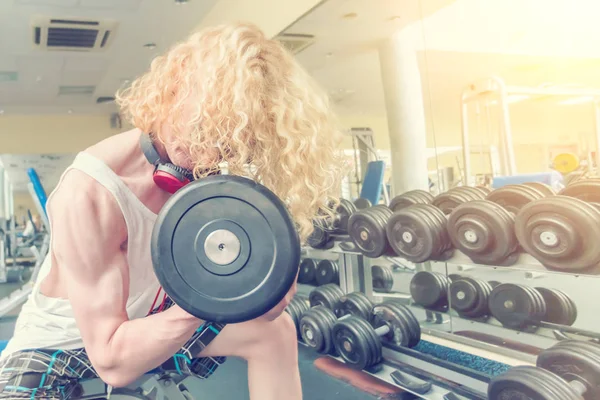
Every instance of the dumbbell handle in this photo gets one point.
(579, 387)
(382, 330)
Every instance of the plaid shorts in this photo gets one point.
(53, 374)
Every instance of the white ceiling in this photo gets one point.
(40, 73)
(344, 56)
(526, 42)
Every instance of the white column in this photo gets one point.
(2, 196)
(405, 111)
(8, 197)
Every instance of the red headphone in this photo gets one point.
(167, 176)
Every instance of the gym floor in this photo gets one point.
(230, 381)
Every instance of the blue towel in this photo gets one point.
(483, 365)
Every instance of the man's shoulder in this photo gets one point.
(114, 150)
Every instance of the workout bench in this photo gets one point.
(150, 386)
(155, 386)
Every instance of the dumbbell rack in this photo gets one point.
(350, 266)
(527, 270)
(468, 384)
(418, 370)
(446, 382)
(355, 275)
(439, 324)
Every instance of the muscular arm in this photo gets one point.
(88, 230)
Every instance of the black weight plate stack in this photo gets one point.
(418, 233)
(225, 249)
(316, 328)
(410, 235)
(484, 231)
(326, 295)
(448, 201)
(404, 327)
(595, 205)
(411, 320)
(587, 190)
(308, 267)
(471, 192)
(560, 232)
(530, 383)
(430, 290)
(574, 360)
(367, 230)
(410, 198)
(304, 301)
(361, 203)
(425, 195)
(514, 197)
(469, 297)
(546, 190)
(327, 272)
(441, 221)
(383, 279)
(357, 304)
(319, 238)
(493, 284)
(297, 307)
(293, 311)
(541, 305)
(516, 306)
(484, 190)
(342, 213)
(357, 343)
(560, 308)
(382, 207)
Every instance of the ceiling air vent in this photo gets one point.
(105, 99)
(76, 90)
(296, 42)
(72, 34)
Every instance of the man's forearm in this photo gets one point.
(141, 345)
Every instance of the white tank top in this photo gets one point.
(49, 322)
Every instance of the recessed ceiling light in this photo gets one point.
(515, 98)
(150, 46)
(70, 111)
(179, 2)
(9, 76)
(1, 112)
(395, 18)
(351, 15)
(330, 54)
(577, 100)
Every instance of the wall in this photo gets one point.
(538, 128)
(378, 123)
(23, 202)
(37, 134)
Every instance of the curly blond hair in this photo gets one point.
(233, 89)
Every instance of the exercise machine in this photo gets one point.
(19, 296)
(492, 95)
(156, 386)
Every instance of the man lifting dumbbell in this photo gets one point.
(99, 309)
